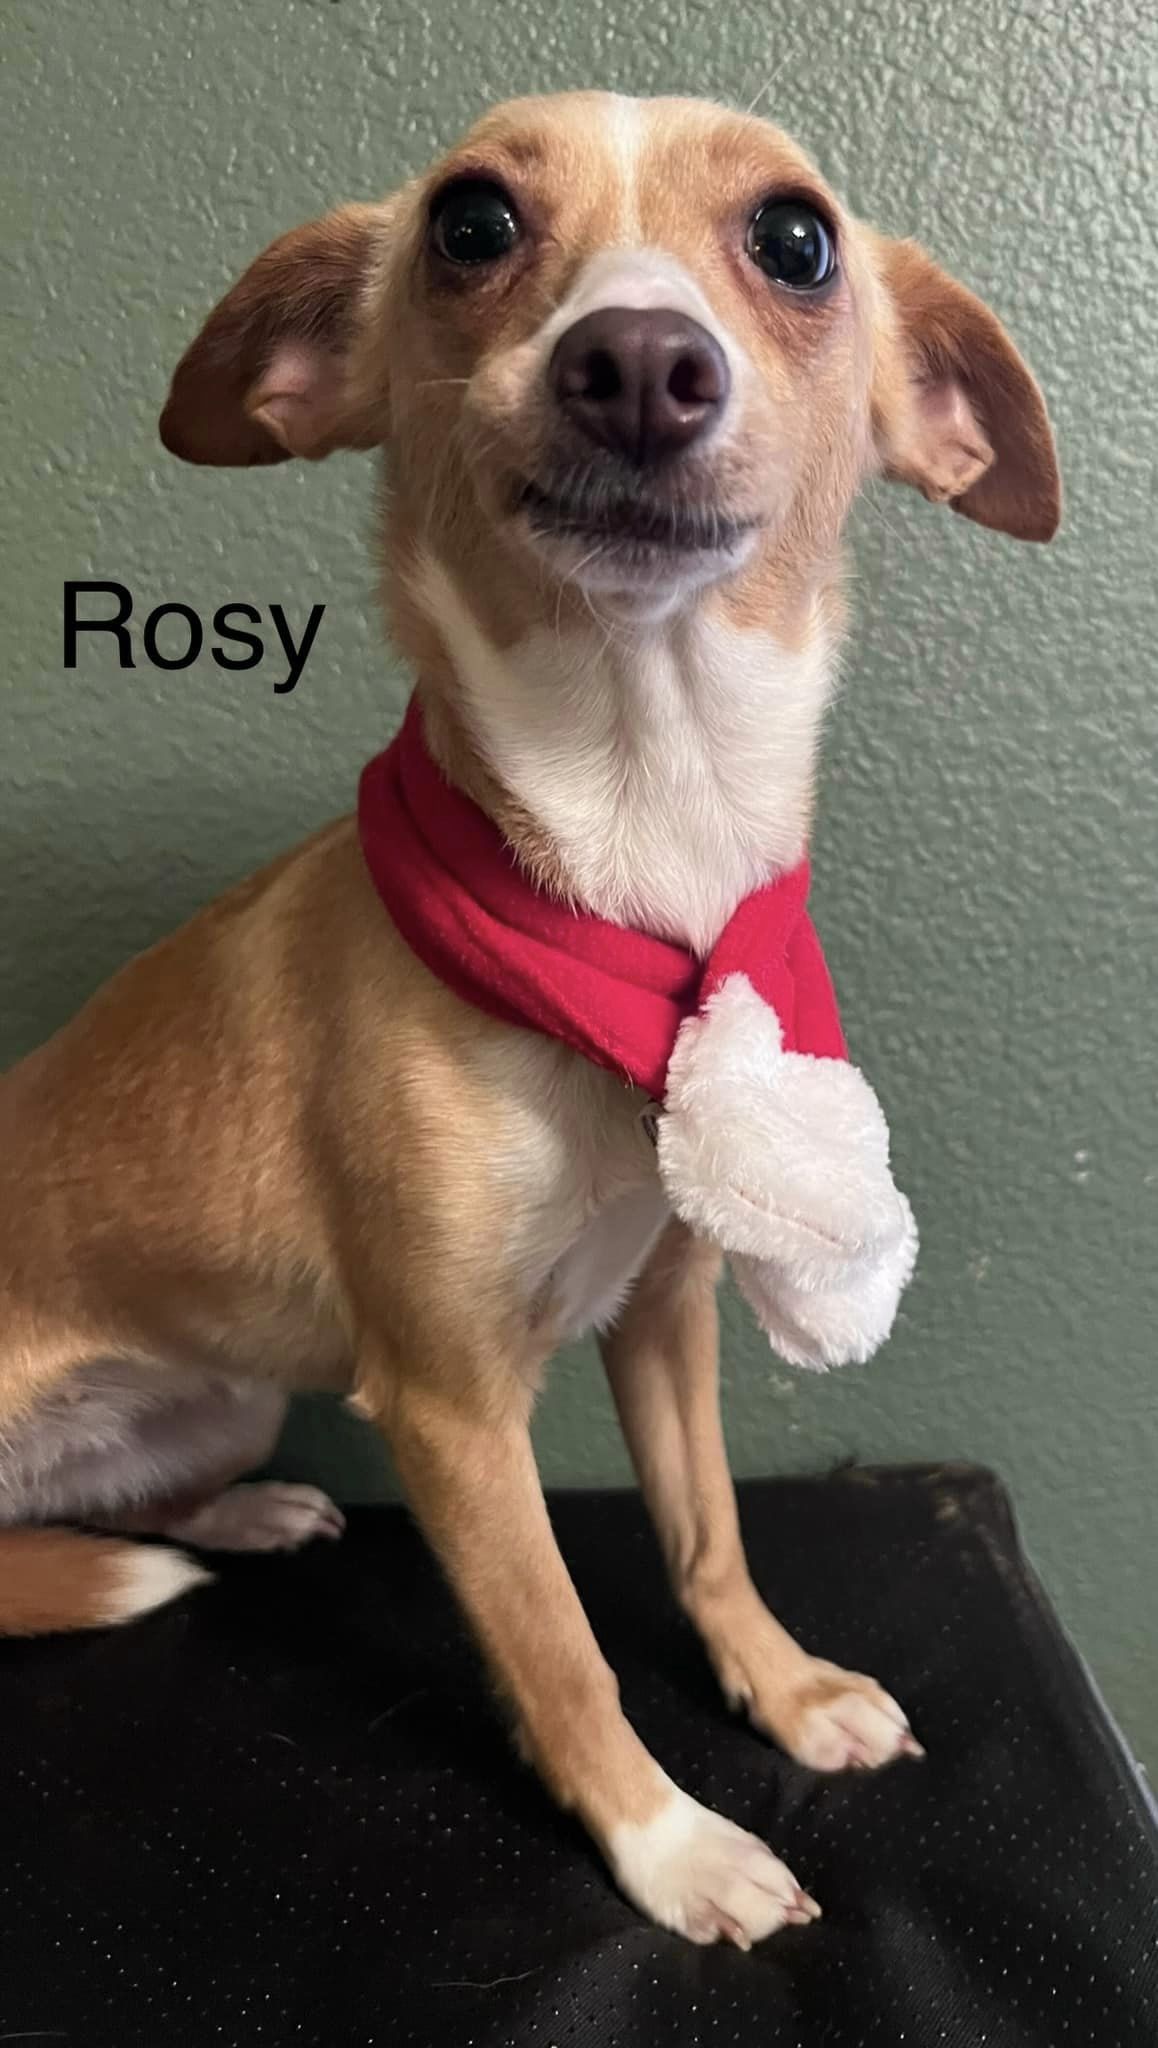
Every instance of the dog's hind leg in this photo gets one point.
(208, 1442)
(138, 1450)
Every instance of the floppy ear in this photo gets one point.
(957, 412)
(268, 375)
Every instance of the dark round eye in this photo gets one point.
(474, 222)
(791, 245)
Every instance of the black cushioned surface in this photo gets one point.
(285, 1812)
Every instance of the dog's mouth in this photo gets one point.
(617, 519)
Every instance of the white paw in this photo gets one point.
(693, 1871)
(265, 1515)
(841, 1721)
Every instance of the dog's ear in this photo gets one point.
(268, 375)
(956, 411)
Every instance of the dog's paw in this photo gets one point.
(263, 1515)
(834, 1720)
(691, 1870)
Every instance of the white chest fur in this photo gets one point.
(595, 1273)
(582, 1201)
(671, 765)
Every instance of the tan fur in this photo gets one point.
(274, 1147)
(661, 1360)
(56, 1581)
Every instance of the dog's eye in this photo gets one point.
(791, 245)
(474, 222)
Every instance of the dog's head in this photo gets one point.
(636, 346)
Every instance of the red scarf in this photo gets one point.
(460, 899)
(768, 1142)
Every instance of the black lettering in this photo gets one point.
(251, 640)
(296, 656)
(149, 637)
(73, 625)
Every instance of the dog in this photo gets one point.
(630, 363)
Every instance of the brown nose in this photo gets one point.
(644, 384)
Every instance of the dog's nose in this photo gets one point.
(644, 384)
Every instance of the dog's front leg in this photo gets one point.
(465, 1459)
(662, 1361)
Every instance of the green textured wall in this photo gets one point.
(988, 855)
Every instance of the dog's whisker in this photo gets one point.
(873, 507)
(769, 82)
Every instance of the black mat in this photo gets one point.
(286, 1813)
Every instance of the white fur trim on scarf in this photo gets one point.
(782, 1159)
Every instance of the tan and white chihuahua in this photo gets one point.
(629, 363)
